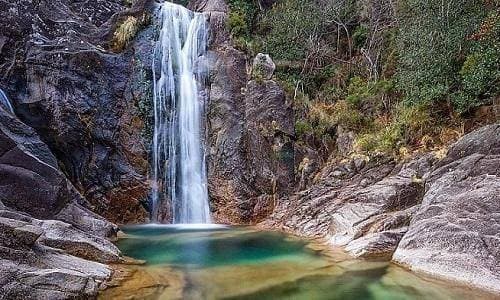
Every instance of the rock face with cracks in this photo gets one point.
(47, 236)
(250, 127)
(66, 83)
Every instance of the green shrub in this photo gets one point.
(237, 23)
(302, 128)
(360, 90)
(431, 43)
(290, 25)
(407, 127)
(360, 35)
(241, 17)
(480, 73)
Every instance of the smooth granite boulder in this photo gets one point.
(456, 231)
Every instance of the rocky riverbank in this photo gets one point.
(51, 246)
(438, 215)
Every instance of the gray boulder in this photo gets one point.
(456, 231)
(263, 67)
(42, 259)
(364, 206)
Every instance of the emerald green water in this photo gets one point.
(243, 263)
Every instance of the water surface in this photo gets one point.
(219, 262)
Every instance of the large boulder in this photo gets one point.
(456, 231)
(263, 67)
(42, 259)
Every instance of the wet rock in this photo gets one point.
(263, 67)
(456, 231)
(31, 182)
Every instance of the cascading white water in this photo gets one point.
(179, 171)
(4, 101)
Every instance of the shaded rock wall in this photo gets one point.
(78, 97)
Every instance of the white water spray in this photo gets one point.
(4, 101)
(179, 171)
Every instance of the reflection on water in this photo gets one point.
(242, 263)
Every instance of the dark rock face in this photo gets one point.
(249, 131)
(78, 97)
(456, 231)
(436, 216)
(42, 258)
(31, 182)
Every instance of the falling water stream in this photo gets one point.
(4, 101)
(179, 173)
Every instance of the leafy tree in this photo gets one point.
(432, 43)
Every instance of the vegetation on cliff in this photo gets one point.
(400, 75)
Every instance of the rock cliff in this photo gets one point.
(48, 239)
(250, 127)
(66, 84)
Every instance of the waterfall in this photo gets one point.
(4, 101)
(179, 172)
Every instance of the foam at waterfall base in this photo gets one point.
(172, 228)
